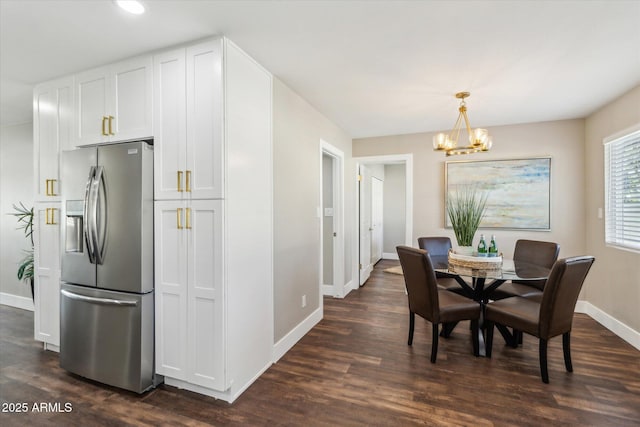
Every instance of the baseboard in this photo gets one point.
(289, 340)
(16, 301)
(614, 325)
(390, 255)
(348, 287)
(327, 290)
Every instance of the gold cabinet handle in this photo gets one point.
(179, 218)
(180, 181)
(53, 191)
(188, 213)
(104, 132)
(46, 216)
(111, 125)
(53, 218)
(47, 187)
(188, 181)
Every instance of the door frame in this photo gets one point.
(407, 160)
(337, 289)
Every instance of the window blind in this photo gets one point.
(622, 191)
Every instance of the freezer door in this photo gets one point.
(125, 217)
(77, 171)
(107, 336)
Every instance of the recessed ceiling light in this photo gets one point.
(131, 6)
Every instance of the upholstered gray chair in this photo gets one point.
(439, 246)
(434, 304)
(535, 252)
(550, 317)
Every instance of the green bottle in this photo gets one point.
(493, 248)
(482, 246)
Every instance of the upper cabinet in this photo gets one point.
(52, 122)
(188, 126)
(114, 103)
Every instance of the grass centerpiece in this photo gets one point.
(465, 207)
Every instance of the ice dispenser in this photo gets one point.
(74, 226)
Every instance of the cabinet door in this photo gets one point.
(90, 119)
(204, 167)
(52, 123)
(129, 107)
(46, 236)
(205, 307)
(171, 289)
(169, 126)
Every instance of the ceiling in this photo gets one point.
(372, 67)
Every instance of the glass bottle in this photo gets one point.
(493, 247)
(482, 246)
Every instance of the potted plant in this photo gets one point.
(465, 208)
(25, 222)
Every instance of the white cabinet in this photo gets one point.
(213, 245)
(189, 292)
(52, 123)
(114, 103)
(188, 125)
(46, 239)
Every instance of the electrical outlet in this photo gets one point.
(304, 301)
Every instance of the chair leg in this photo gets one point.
(566, 348)
(544, 373)
(489, 340)
(434, 342)
(412, 322)
(475, 339)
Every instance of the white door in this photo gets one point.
(365, 223)
(52, 120)
(46, 235)
(169, 125)
(205, 302)
(90, 118)
(130, 98)
(376, 219)
(204, 164)
(170, 253)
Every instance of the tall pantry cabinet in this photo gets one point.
(52, 129)
(213, 218)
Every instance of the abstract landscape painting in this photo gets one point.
(518, 190)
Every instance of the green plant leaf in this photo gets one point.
(466, 207)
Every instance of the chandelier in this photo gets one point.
(479, 139)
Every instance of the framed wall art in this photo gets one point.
(518, 190)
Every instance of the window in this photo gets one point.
(622, 190)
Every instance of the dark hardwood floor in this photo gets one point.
(353, 369)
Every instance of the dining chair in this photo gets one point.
(535, 252)
(548, 318)
(434, 304)
(439, 246)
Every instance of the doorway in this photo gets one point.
(331, 215)
(377, 195)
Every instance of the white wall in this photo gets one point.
(562, 140)
(16, 185)
(298, 129)
(613, 285)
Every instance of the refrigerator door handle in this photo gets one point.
(86, 214)
(99, 219)
(100, 301)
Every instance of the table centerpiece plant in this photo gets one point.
(466, 206)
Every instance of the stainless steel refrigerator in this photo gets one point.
(106, 301)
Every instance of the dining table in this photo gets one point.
(478, 284)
